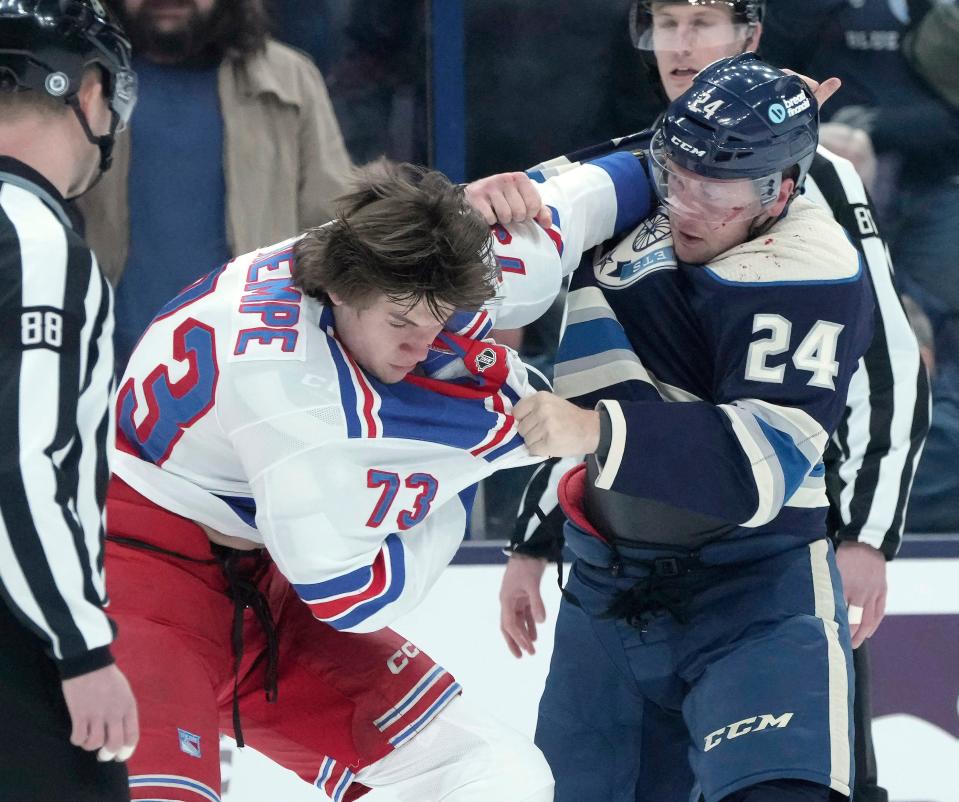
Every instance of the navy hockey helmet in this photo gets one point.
(47, 45)
(746, 15)
(741, 120)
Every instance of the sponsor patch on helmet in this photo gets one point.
(796, 104)
(777, 113)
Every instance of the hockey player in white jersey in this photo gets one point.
(300, 433)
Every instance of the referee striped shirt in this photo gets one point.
(872, 458)
(56, 377)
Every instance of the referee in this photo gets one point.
(67, 716)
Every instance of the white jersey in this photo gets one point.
(241, 410)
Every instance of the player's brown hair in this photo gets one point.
(405, 232)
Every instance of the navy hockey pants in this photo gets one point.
(756, 686)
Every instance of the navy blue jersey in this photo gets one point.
(722, 382)
(873, 454)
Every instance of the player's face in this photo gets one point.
(687, 38)
(710, 217)
(697, 242)
(387, 339)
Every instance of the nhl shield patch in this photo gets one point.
(485, 359)
(189, 743)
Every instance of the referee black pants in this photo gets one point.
(867, 786)
(37, 761)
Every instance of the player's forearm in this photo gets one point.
(589, 204)
(738, 462)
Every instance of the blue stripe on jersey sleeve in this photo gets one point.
(467, 497)
(245, 508)
(633, 191)
(592, 337)
(501, 451)
(794, 465)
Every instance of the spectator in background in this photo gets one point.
(234, 144)
(933, 506)
(932, 49)
(884, 110)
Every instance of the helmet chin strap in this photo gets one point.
(758, 230)
(105, 143)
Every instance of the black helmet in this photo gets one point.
(46, 45)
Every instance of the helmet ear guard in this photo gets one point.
(47, 46)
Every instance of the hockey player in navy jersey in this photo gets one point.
(300, 433)
(871, 458)
(702, 645)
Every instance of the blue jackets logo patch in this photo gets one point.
(651, 250)
(189, 743)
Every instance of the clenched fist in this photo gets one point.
(553, 427)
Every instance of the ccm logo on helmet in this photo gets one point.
(686, 146)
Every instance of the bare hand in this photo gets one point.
(553, 427)
(508, 198)
(103, 713)
(821, 91)
(853, 144)
(863, 572)
(521, 604)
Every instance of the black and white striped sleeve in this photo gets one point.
(56, 376)
(538, 531)
(872, 458)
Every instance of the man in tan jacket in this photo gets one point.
(235, 144)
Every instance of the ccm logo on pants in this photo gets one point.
(745, 726)
(400, 659)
